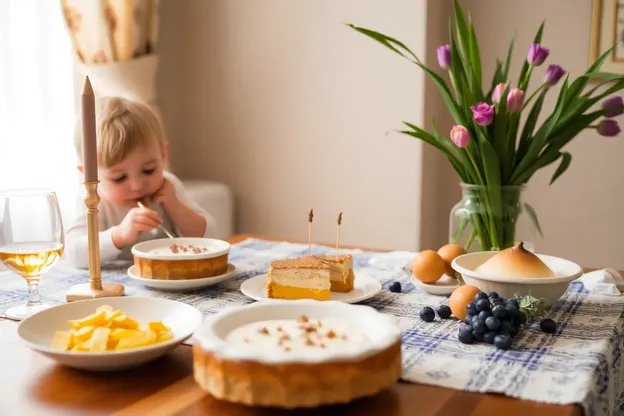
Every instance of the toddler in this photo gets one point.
(132, 155)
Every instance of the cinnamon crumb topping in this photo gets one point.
(179, 248)
(263, 331)
(279, 329)
(331, 334)
(344, 337)
(322, 345)
(310, 342)
(303, 319)
(318, 323)
(287, 349)
(310, 329)
(247, 340)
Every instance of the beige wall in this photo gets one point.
(271, 97)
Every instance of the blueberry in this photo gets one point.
(493, 295)
(468, 320)
(502, 342)
(471, 308)
(427, 314)
(484, 315)
(513, 302)
(483, 304)
(465, 334)
(492, 323)
(506, 326)
(395, 287)
(479, 296)
(444, 312)
(478, 336)
(474, 319)
(548, 326)
(511, 310)
(480, 327)
(498, 311)
(489, 337)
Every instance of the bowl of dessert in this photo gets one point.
(186, 263)
(294, 354)
(108, 334)
(518, 272)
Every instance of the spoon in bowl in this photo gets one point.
(160, 226)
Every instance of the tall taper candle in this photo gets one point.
(89, 143)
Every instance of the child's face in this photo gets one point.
(136, 177)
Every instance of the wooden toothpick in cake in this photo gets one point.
(338, 222)
(310, 218)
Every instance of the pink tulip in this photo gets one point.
(460, 136)
(515, 99)
(498, 92)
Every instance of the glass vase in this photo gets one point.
(492, 218)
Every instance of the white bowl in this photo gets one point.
(38, 330)
(549, 288)
(146, 249)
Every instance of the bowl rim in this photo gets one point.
(573, 275)
(169, 343)
(207, 339)
(139, 249)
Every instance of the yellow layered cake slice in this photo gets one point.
(299, 278)
(341, 274)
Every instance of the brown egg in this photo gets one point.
(460, 298)
(428, 266)
(448, 254)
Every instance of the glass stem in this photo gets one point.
(33, 292)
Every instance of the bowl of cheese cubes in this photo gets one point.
(107, 334)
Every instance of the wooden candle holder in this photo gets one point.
(95, 288)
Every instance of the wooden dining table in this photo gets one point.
(33, 384)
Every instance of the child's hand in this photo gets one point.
(136, 221)
(166, 195)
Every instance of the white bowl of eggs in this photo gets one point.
(518, 272)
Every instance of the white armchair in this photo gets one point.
(217, 199)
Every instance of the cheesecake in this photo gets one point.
(341, 276)
(297, 354)
(299, 278)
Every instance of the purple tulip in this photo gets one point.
(614, 106)
(498, 92)
(537, 54)
(553, 74)
(515, 99)
(483, 113)
(608, 128)
(444, 56)
(459, 136)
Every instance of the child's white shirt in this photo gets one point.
(110, 215)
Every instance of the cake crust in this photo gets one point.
(307, 262)
(181, 269)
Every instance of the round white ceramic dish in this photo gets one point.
(381, 329)
(443, 287)
(181, 285)
(38, 330)
(549, 288)
(364, 287)
(159, 249)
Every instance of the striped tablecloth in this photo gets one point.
(580, 363)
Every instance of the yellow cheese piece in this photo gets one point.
(109, 330)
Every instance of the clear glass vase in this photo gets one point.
(491, 218)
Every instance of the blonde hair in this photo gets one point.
(121, 126)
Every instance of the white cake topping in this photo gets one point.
(302, 336)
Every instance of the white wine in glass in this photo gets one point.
(31, 241)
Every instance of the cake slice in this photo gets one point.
(299, 278)
(341, 274)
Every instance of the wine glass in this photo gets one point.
(31, 240)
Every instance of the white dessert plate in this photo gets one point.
(364, 287)
(160, 249)
(444, 286)
(38, 330)
(181, 285)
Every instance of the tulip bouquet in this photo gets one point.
(489, 147)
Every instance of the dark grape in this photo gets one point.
(484, 315)
(465, 334)
(471, 308)
(548, 326)
(444, 312)
(493, 295)
(513, 302)
(395, 287)
(502, 342)
(479, 296)
(427, 314)
(489, 337)
(480, 327)
(499, 311)
(492, 323)
(483, 304)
